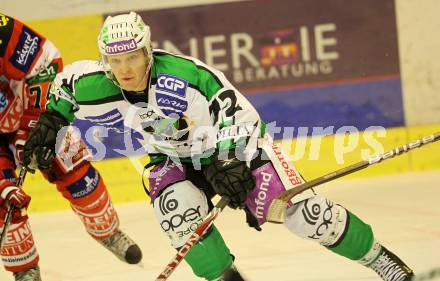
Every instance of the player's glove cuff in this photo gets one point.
(15, 196)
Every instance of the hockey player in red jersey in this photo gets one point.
(28, 63)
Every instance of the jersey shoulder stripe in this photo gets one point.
(82, 82)
(86, 82)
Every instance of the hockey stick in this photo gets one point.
(11, 209)
(277, 209)
(193, 239)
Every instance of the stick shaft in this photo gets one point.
(287, 195)
(193, 239)
(276, 213)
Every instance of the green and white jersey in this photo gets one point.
(189, 107)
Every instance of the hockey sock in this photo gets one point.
(356, 241)
(18, 250)
(90, 200)
(210, 257)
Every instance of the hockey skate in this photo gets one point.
(123, 247)
(32, 274)
(391, 268)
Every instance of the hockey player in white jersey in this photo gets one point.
(203, 138)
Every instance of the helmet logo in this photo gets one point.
(120, 47)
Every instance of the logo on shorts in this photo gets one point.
(190, 216)
(119, 47)
(166, 204)
(260, 200)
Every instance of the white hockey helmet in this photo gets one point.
(122, 34)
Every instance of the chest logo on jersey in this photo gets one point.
(26, 50)
(170, 104)
(171, 84)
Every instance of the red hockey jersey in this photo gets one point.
(28, 63)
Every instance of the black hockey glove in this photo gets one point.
(231, 178)
(251, 220)
(40, 146)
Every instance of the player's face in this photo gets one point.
(130, 70)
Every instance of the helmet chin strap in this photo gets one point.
(146, 76)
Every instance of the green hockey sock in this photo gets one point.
(357, 240)
(210, 257)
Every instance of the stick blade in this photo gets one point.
(277, 211)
